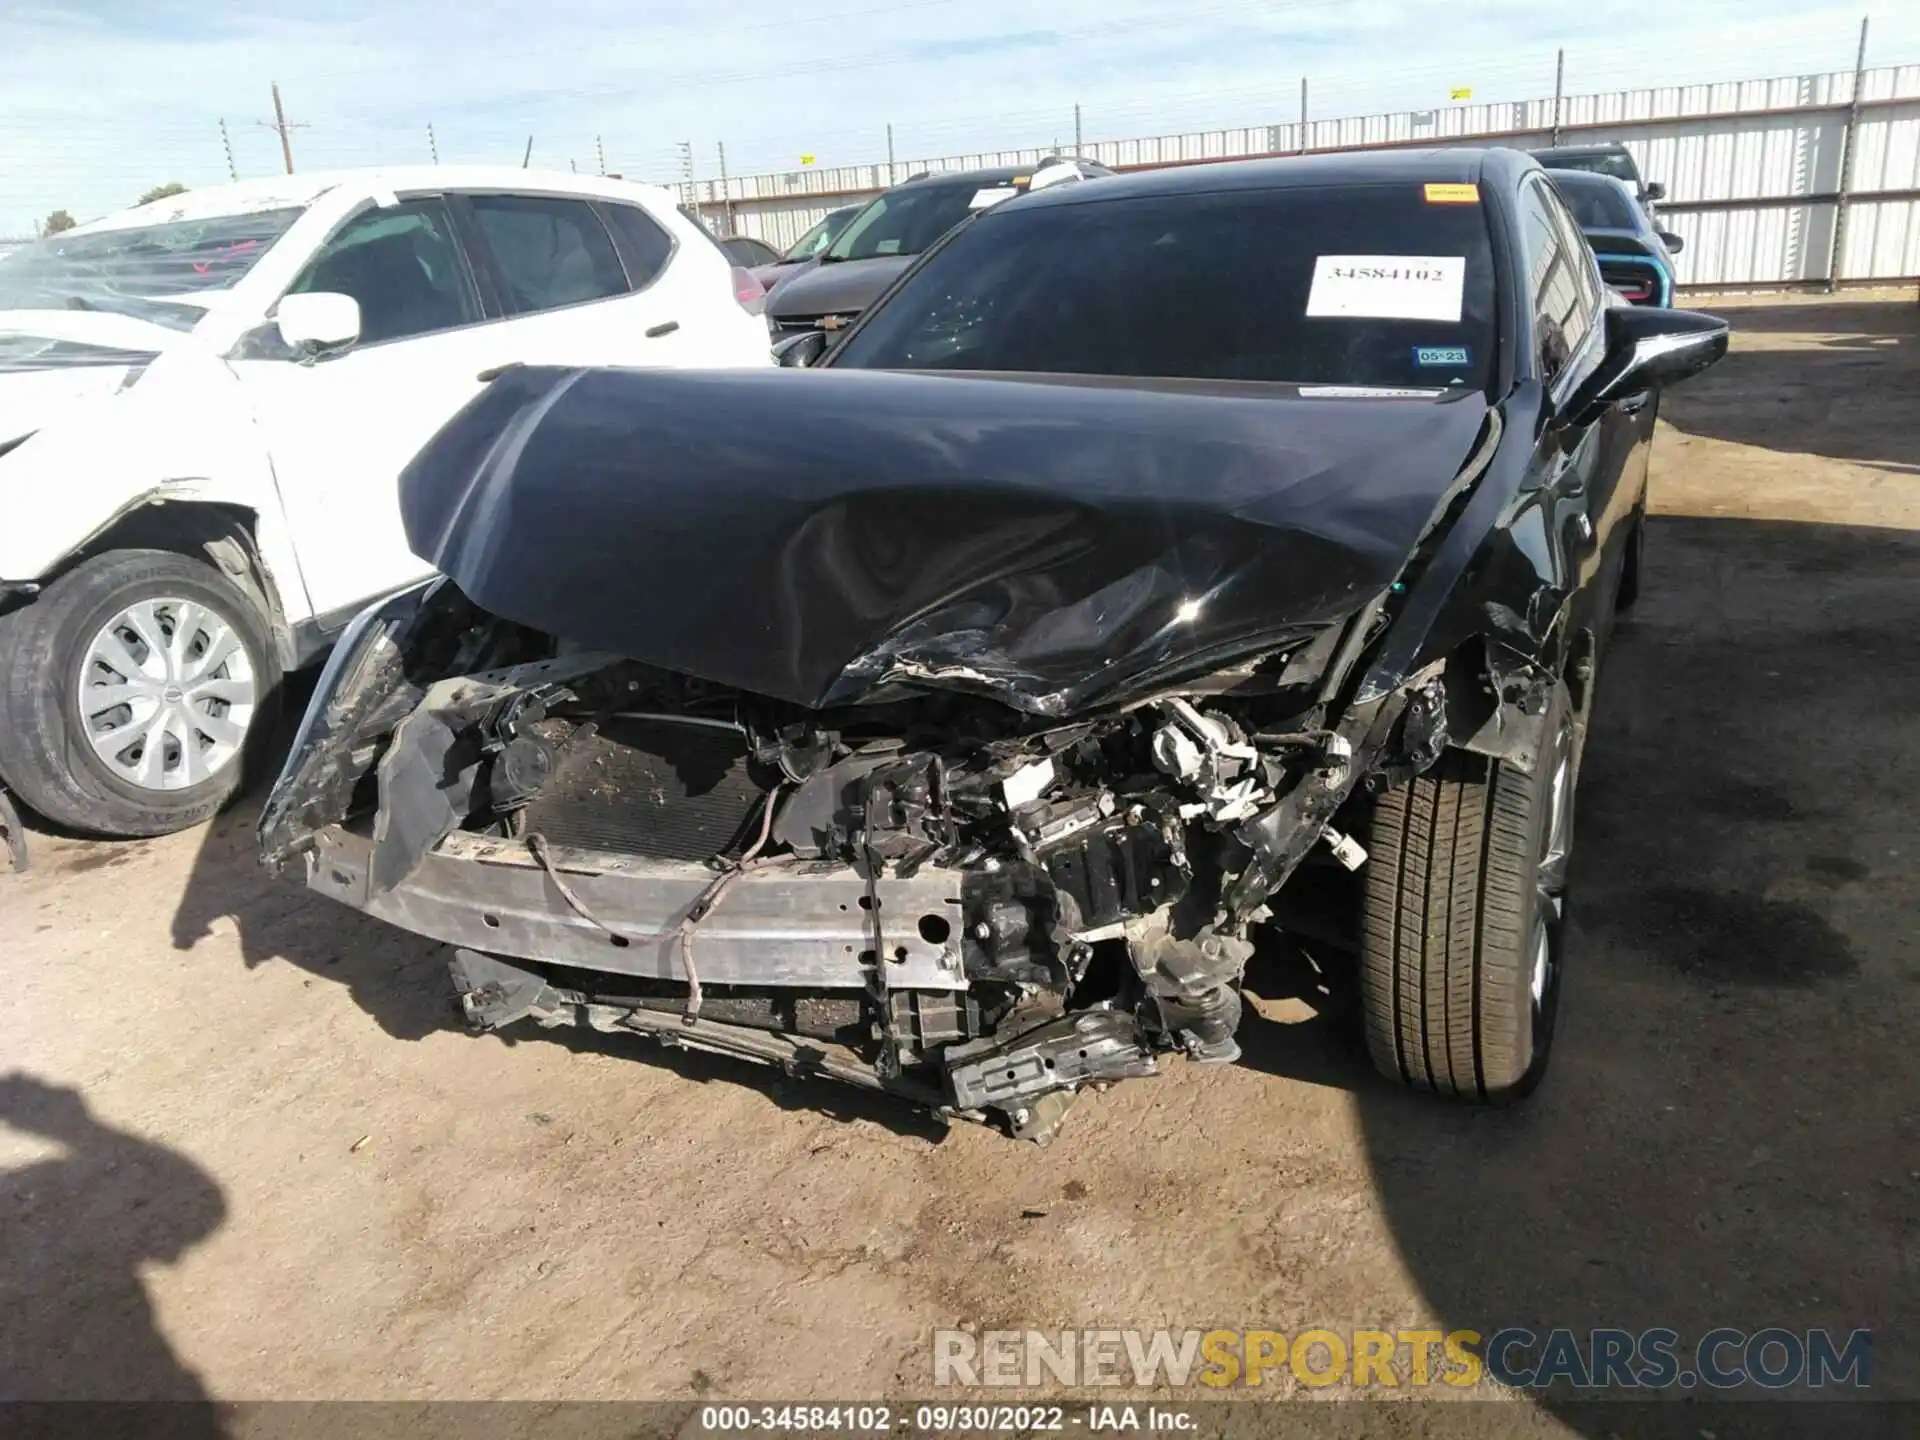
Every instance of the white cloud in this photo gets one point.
(102, 101)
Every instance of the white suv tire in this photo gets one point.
(136, 694)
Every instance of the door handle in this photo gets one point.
(654, 332)
(1633, 406)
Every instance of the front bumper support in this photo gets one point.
(800, 924)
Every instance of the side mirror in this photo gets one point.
(1646, 347)
(316, 323)
(1674, 243)
(799, 352)
(1654, 190)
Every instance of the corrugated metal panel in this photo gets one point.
(1883, 240)
(1784, 243)
(1887, 150)
(1731, 142)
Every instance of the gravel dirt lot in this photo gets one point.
(246, 1151)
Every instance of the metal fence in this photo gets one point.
(1759, 173)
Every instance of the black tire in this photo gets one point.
(45, 755)
(1454, 907)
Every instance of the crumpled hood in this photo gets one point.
(52, 361)
(813, 535)
(92, 328)
(845, 287)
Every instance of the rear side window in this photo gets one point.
(1367, 285)
(1579, 252)
(644, 243)
(403, 266)
(549, 252)
(1561, 308)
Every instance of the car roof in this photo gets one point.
(1464, 165)
(1598, 147)
(283, 191)
(1001, 174)
(1006, 174)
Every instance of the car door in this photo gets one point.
(588, 282)
(340, 428)
(1619, 478)
(1582, 465)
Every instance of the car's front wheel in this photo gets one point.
(1461, 935)
(134, 694)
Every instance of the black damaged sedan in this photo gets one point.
(1168, 567)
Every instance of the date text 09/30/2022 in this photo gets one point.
(962, 1419)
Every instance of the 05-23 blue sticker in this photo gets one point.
(1440, 355)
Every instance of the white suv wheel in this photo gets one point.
(167, 693)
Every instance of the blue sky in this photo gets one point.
(105, 98)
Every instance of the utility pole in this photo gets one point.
(1559, 90)
(726, 197)
(526, 158)
(226, 144)
(280, 124)
(433, 145)
(600, 151)
(1849, 147)
(1303, 116)
(893, 176)
(1076, 127)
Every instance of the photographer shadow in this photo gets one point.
(76, 1322)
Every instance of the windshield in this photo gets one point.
(821, 235)
(1611, 162)
(1597, 203)
(148, 271)
(1327, 285)
(904, 221)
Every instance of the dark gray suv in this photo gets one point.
(883, 239)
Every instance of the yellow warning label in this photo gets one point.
(1453, 194)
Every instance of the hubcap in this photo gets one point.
(166, 693)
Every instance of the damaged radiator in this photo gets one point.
(672, 789)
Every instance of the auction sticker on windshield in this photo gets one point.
(1388, 287)
(984, 199)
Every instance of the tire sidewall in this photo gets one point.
(63, 777)
(1534, 1037)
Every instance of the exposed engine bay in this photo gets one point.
(957, 739)
(940, 895)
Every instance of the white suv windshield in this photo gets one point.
(148, 271)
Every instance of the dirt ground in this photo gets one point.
(248, 1153)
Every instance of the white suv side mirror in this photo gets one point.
(320, 321)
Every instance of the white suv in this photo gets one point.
(205, 404)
